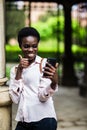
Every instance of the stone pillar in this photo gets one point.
(5, 101)
(2, 41)
(5, 109)
(2, 44)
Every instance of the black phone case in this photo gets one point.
(51, 61)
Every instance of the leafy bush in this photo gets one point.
(46, 49)
(47, 29)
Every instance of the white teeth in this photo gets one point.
(30, 54)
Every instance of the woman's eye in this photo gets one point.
(34, 46)
(26, 46)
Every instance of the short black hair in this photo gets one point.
(27, 31)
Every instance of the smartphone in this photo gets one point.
(51, 61)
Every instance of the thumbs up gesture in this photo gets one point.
(24, 62)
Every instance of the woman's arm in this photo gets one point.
(16, 81)
(45, 90)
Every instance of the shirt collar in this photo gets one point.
(38, 59)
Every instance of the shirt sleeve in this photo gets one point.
(45, 90)
(15, 87)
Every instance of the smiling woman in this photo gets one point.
(30, 89)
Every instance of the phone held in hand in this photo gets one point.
(51, 61)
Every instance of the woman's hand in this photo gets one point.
(24, 63)
(51, 73)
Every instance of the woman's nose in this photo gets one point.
(30, 49)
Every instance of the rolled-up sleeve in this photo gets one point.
(45, 90)
(15, 87)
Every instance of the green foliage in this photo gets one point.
(14, 22)
(48, 46)
(12, 52)
(79, 49)
(79, 34)
(8, 72)
(47, 29)
(52, 27)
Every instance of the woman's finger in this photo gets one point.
(57, 65)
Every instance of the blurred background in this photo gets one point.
(63, 28)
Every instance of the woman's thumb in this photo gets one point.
(20, 56)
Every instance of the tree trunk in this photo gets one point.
(68, 78)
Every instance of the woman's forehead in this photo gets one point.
(30, 39)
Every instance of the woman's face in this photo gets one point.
(29, 47)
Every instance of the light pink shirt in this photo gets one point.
(33, 93)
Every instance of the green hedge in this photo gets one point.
(46, 49)
(12, 56)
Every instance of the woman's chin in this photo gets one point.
(31, 57)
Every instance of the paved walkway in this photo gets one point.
(71, 109)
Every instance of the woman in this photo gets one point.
(30, 89)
